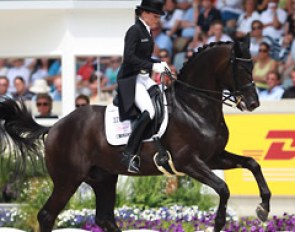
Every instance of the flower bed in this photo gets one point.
(164, 219)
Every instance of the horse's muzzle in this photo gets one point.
(252, 105)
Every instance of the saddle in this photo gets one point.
(117, 132)
(158, 103)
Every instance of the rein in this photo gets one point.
(234, 97)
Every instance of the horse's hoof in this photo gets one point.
(262, 214)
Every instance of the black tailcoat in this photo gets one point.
(138, 49)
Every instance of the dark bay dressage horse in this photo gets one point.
(76, 148)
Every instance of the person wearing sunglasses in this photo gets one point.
(274, 19)
(256, 38)
(244, 23)
(44, 106)
(263, 65)
(82, 100)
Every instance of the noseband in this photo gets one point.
(234, 97)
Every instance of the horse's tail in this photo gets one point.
(18, 129)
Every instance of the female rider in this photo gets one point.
(134, 77)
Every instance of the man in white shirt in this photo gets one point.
(273, 19)
(218, 35)
(275, 91)
(18, 69)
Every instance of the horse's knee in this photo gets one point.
(253, 165)
(223, 191)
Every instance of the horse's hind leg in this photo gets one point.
(105, 192)
(62, 192)
(201, 172)
(227, 160)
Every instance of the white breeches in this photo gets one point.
(142, 97)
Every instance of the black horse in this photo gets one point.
(76, 148)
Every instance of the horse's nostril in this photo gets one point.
(254, 105)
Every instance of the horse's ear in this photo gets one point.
(246, 40)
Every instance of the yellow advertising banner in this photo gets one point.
(270, 140)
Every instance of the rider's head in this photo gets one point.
(153, 6)
(150, 11)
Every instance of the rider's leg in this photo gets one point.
(145, 105)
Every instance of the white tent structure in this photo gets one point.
(65, 29)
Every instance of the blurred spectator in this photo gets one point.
(55, 68)
(280, 50)
(93, 85)
(44, 106)
(290, 5)
(290, 91)
(109, 81)
(290, 24)
(164, 56)
(3, 67)
(87, 69)
(57, 83)
(218, 34)
(280, 47)
(22, 92)
(208, 14)
(40, 86)
(199, 40)
(184, 4)
(185, 27)
(17, 69)
(230, 11)
(4, 84)
(261, 5)
(41, 70)
(244, 23)
(162, 40)
(256, 38)
(172, 15)
(30, 63)
(263, 65)
(273, 19)
(82, 100)
(274, 89)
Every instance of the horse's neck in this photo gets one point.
(193, 106)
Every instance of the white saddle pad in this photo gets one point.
(118, 132)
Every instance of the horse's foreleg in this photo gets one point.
(55, 204)
(201, 172)
(105, 192)
(227, 160)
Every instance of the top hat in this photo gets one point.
(154, 6)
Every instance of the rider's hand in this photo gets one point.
(160, 67)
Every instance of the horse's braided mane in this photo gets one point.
(197, 53)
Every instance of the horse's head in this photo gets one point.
(221, 67)
(241, 85)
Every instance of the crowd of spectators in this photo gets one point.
(189, 24)
(186, 26)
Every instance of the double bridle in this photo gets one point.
(229, 98)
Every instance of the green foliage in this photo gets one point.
(16, 170)
(152, 192)
(189, 192)
(33, 197)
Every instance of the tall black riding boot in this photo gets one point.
(130, 159)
